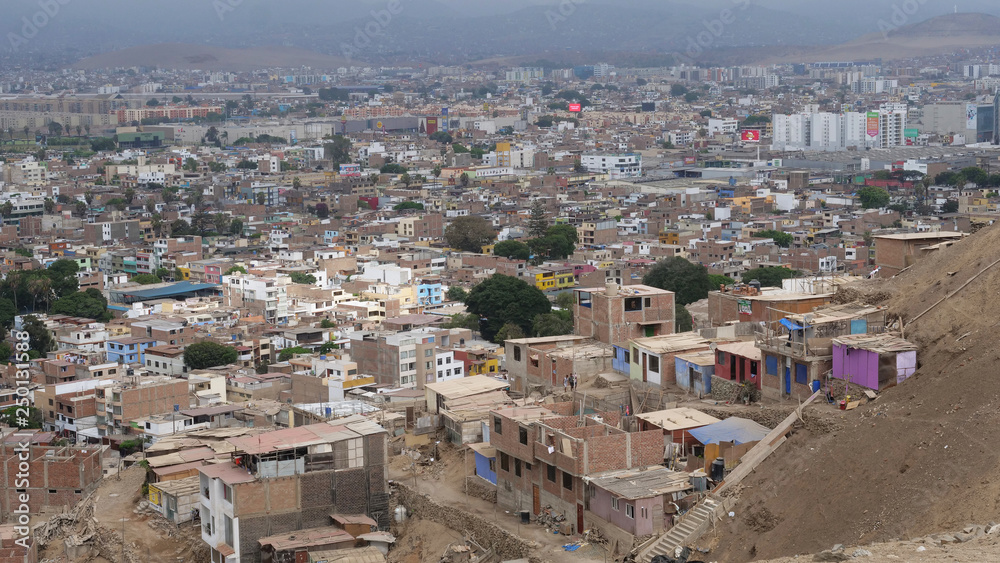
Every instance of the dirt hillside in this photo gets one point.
(922, 458)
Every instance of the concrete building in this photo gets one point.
(60, 476)
(259, 296)
(614, 165)
(898, 251)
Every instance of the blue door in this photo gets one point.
(788, 381)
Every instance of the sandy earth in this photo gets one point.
(920, 459)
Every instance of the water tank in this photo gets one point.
(754, 284)
(718, 469)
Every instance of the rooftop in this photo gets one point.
(634, 484)
(878, 343)
(680, 418)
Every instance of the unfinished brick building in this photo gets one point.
(544, 455)
(613, 315)
(59, 476)
(293, 479)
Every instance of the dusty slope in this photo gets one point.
(943, 34)
(921, 459)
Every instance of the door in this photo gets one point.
(644, 358)
(788, 381)
(536, 500)
(579, 519)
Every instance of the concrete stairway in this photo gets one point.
(689, 528)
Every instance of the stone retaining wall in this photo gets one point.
(483, 532)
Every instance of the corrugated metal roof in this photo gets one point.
(645, 483)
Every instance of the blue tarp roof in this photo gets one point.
(134, 294)
(733, 429)
(790, 325)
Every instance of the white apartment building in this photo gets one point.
(628, 165)
(835, 132)
(261, 296)
(448, 367)
(724, 126)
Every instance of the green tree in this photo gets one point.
(950, 206)
(566, 300)
(289, 353)
(781, 238)
(302, 277)
(63, 272)
(327, 347)
(456, 293)
(39, 337)
(322, 210)
(552, 324)
(683, 319)
(7, 313)
(715, 280)
(12, 416)
(882, 175)
(976, 175)
(677, 90)
(538, 222)
(513, 249)
(338, 150)
(146, 279)
(688, 281)
(408, 205)
(153, 102)
(90, 304)
(162, 273)
(469, 233)
(462, 320)
(6, 351)
(769, 276)
(190, 164)
(208, 354)
(236, 227)
(509, 331)
(504, 299)
(872, 197)
(392, 168)
(235, 270)
(327, 323)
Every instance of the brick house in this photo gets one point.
(61, 476)
(544, 456)
(614, 314)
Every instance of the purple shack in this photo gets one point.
(875, 361)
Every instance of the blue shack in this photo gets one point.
(694, 371)
(486, 461)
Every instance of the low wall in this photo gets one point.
(481, 488)
(483, 532)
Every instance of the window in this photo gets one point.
(614, 503)
(440, 361)
(654, 363)
(647, 302)
(630, 511)
(567, 481)
(771, 365)
(227, 493)
(627, 357)
(522, 435)
(493, 465)
(633, 303)
(517, 467)
(635, 354)
(517, 353)
(497, 425)
(721, 358)
(550, 472)
(643, 513)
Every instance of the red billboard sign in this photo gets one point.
(575, 107)
(750, 136)
(432, 125)
(871, 124)
(689, 160)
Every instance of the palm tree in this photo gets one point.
(40, 289)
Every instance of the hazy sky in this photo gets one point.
(452, 28)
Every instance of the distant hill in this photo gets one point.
(938, 35)
(207, 57)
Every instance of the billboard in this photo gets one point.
(750, 136)
(432, 125)
(971, 116)
(648, 106)
(911, 132)
(690, 160)
(575, 107)
(350, 170)
(444, 111)
(871, 126)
